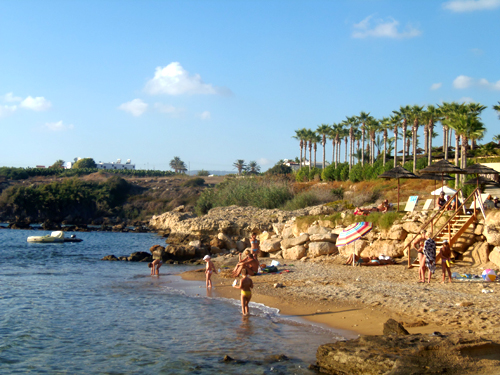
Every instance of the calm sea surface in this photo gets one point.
(63, 311)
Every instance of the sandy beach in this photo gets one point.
(360, 299)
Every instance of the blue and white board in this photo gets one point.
(412, 202)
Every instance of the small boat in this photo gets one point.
(54, 237)
(72, 238)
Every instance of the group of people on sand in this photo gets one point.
(247, 266)
(426, 249)
(382, 207)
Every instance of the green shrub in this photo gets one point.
(203, 173)
(198, 181)
(301, 200)
(328, 173)
(339, 192)
(313, 173)
(302, 174)
(255, 192)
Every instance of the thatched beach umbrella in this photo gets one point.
(478, 169)
(398, 172)
(442, 167)
(480, 180)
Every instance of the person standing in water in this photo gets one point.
(254, 245)
(155, 267)
(209, 270)
(246, 285)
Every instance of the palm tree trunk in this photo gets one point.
(385, 146)
(415, 133)
(315, 149)
(465, 142)
(363, 148)
(445, 142)
(404, 142)
(426, 141)
(310, 155)
(395, 147)
(333, 151)
(429, 140)
(324, 143)
(456, 158)
(301, 146)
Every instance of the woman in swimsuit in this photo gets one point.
(445, 260)
(419, 246)
(254, 245)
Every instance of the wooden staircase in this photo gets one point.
(456, 226)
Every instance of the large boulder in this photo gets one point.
(492, 234)
(391, 327)
(412, 226)
(326, 224)
(397, 232)
(181, 252)
(228, 242)
(291, 242)
(140, 256)
(357, 246)
(157, 251)
(271, 245)
(316, 229)
(390, 248)
(481, 253)
(494, 256)
(264, 236)
(215, 242)
(327, 237)
(287, 231)
(278, 228)
(294, 253)
(241, 246)
(321, 248)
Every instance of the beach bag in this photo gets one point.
(270, 269)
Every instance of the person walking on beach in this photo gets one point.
(419, 246)
(246, 285)
(445, 260)
(155, 267)
(430, 256)
(254, 245)
(210, 268)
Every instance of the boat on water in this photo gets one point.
(54, 237)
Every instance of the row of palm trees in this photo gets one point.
(462, 119)
(252, 167)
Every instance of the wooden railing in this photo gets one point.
(434, 219)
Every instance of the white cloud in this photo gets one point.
(380, 28)
(136, 107)
(57, 126)
(490, 85)
(6, 110)
(470, 5)
(169, 109)
(436, 86)
(36, 104)
(10, 98)
(466, 99)
(264, 162)
(205, 115)
(462, 82)
(173, 79)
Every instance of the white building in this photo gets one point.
(117, 165)
(296, 166)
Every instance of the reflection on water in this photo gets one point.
(65, 311)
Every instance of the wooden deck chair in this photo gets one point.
(427, 204)
(412, 202)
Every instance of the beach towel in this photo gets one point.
(430, 254)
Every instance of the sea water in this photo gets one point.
(64, 311)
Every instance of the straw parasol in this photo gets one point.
(478, 169)
(479, 180)
(352, 233)
(398, 172)
(442, 167)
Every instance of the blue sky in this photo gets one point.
(216, 81)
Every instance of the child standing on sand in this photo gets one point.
(209, 270)
(445, 260)
(246, 285)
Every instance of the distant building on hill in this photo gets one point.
(296, 166)
(117, 165)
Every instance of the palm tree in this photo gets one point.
(299, 135)
(316, 139)
(177, 165)
(332, 134)
(240, 165)
(395, 121)
(416, 114)
(372, 126)
(352, 123)
(309, 138)
(385, 125)
(346, 131)
(446, 110)
(253, 167)
(431, 116)
(323, 131)
(496, 107)
(496, 138)
(403, 114)
(363, 118)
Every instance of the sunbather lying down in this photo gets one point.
(368, 261)
(382, 207)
